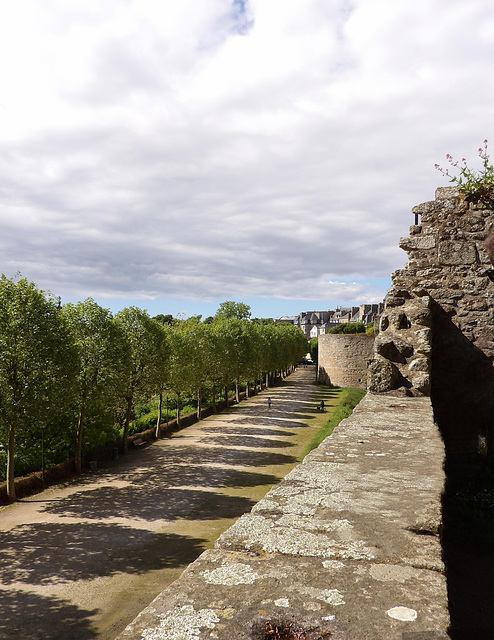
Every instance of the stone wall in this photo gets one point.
(342, 359)
(448, 269)
(437, 330)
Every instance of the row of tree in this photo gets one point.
(73, 373)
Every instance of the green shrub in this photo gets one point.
(349, 400)
(349, 327)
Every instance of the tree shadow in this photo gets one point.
(150, 502)
(26, 616)
(249, 441)
(462, 397)
(50, 553)
(213, 455)
(273, 418)
(248, 431)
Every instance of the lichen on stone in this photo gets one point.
(282, 602)
(230, 574)
(183, 623)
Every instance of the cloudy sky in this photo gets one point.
(175, 154)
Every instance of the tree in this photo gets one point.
(229, 310)
(38, 361)
(144, 336)
(103, 358)
(165, 319)
(176, 378)
(239, 341)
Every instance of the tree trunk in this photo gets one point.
(199, 404)
(10, 461)
(160, 412)
(214, 398)
(80, 428)
(226, 396)
(237, 391)
(267, 380)
(126, 424)
(247, 390)
(178, 410)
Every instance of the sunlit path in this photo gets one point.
(81, 561)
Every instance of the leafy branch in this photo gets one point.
(473, 184)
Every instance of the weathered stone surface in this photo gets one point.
(343, 359)
(424, 207)
(456, 253)
(419, 364)
(337, 547)
(393, 348)
(417, 242)
(382, 375)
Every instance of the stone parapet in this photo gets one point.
(345, 547)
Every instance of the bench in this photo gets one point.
(138, 442)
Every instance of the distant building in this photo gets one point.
(316, 323)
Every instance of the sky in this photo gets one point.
(174, 155)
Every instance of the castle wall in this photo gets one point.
(342, 359)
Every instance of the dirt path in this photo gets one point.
(81, 561)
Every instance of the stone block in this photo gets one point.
(457, 252)
(382, 375)
(424, 207)
(417, 243)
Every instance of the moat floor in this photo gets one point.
(82, 560)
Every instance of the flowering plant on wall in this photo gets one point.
(473, 184)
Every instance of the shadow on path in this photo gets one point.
(153, 503)
(51, 553)
(28, 616)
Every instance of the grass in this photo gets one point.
(349, 400)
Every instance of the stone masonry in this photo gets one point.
(447, 275)
(342, 359)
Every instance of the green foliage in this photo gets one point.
(38, 363)
(369, 329)
(148, 420)
(313, 349)
(471, 183)
(349, 327)
(147, 351)
(165, 319)
(103, 361)
(71, 377)
(229, 310)
(348, 401)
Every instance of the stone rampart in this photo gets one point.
(342, 359)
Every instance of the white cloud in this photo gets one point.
(212, 149)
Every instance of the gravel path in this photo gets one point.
(80, 561)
